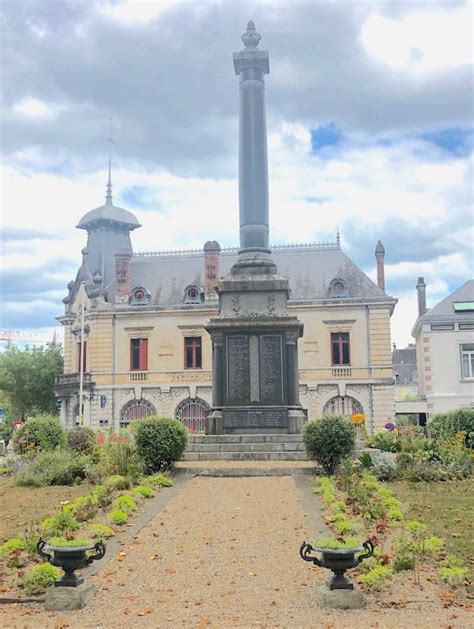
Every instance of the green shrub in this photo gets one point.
(81, 440)
(346, 527)
(83, 508)
(119, 458)
(384, 467)
(118, 482)
(160, 442)
(101, 531)
(13, 545)
(39, 578)
(404, 561)
(329, 440)
(125, 503)
(376, 576)
(58, 524)
(434, 546)
(117, 516)
(143, 491)
(158, 480)
(43, 432)
(102, 495)
(454, 576)
(445, 426)
(58, 467)
(385, 440)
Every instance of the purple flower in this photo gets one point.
(389, 426)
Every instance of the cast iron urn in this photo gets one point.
(338, 560)
(70, 559)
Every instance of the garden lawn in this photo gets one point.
(21, 506)
(446, 508)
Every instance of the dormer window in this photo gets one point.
(338, 288)
(140, 296)
(193, 295)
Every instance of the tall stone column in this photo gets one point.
(255, 369)
(250, 65)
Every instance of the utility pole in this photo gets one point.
(81, 361)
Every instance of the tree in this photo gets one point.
(27, 378)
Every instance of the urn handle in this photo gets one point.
(305, 551)
(369, 547)
(39, 548)
(99, 552)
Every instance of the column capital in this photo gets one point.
(250, 57)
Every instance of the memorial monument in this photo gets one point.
(255, 355)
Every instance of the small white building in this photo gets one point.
(445, 349)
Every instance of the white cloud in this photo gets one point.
(420, 42)
(135, 11)
(35, 109)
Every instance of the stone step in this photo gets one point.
(244, 456)
(282, 438)
(246, 447)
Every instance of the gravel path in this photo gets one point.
(223, 553)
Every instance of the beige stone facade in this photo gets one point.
(365, 384)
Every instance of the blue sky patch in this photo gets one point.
(139, 197)
(454, 140)
(325, 135)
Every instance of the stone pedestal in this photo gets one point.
(60, 599)
(255, 356)
(341, 599)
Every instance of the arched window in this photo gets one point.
(346, 406)
(192, 412)
(135, 409)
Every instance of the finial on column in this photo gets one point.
(338, 238)
(108, 197)
(251, 38)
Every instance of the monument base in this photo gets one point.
(255, 420)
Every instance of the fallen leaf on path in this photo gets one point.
(170, 570)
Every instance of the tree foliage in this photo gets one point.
(27, 378)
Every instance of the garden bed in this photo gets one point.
(22, 506)
(447, 509)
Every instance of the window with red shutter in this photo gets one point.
(193, 352)
(340, 350)
(138, 354)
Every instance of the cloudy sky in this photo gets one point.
(369, 118)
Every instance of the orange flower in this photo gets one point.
(358, 418)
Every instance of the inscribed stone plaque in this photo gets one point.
(271, 386)
(238, 369)
(255, 418)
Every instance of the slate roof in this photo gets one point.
(309, 268)
(404, 365)
(444, 311)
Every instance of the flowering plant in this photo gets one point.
(390, 426)
(358, 418)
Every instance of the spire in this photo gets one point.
(108, 197)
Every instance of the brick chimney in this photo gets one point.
(379, 256)
(421, 294)
(212, 255)
(123, 276)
